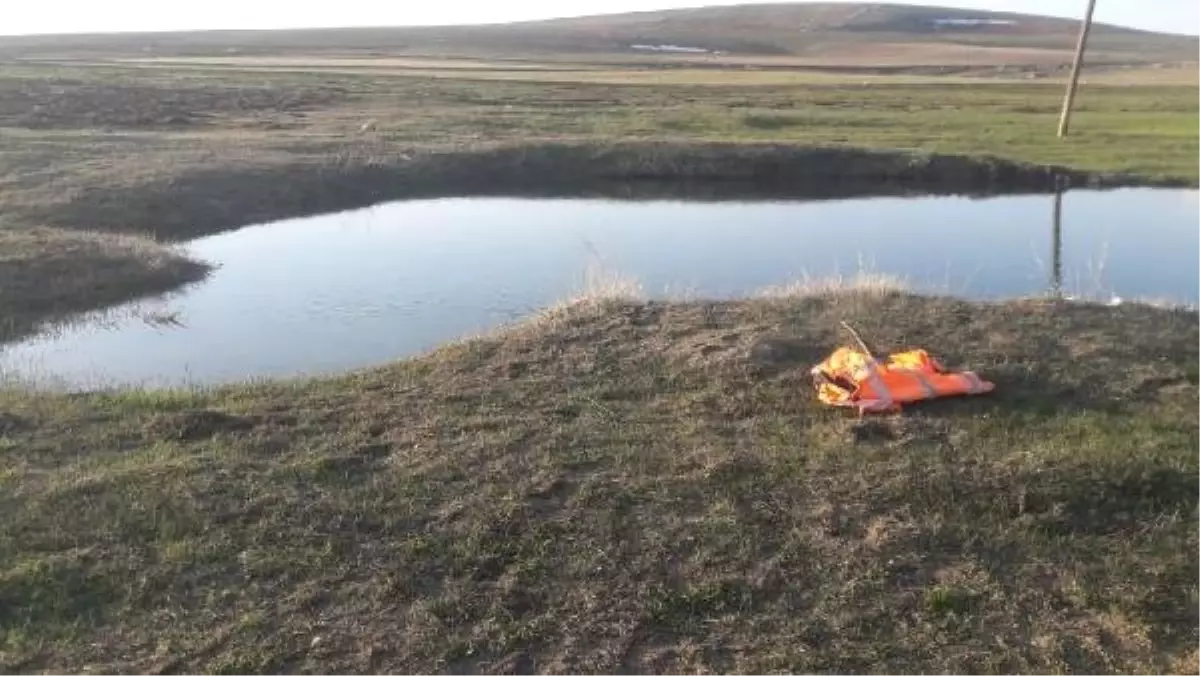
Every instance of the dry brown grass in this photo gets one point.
(350, 62)
(863, 281)
(1163, 74)
(882, 55)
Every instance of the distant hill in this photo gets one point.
(856, 31)
(805, 28)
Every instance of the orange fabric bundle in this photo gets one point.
(852, 378)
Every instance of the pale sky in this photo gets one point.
(75, 16)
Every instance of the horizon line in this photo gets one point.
(468, 24)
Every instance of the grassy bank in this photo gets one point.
(228, 197)
(49, 275)
(628, 486)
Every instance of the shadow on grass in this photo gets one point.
(1075, 502)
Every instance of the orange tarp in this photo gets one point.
(855, 379)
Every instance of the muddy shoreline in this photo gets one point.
(200, 202)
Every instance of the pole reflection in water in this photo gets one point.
(1056, 239)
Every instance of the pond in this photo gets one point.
(339, 291)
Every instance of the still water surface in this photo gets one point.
(338, 291)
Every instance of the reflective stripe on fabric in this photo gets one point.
(974, 384)
(881, 390)
(875, 406)
(926, 386)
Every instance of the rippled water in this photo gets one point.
(345, 290)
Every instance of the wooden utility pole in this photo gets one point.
(1064, 120)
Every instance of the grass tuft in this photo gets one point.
(602, 284)
(861, 282)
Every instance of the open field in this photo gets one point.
(670, 72)
(353, 64)
(616, 485)
(875, 56)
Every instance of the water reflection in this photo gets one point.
(340, 291)
(1056, 251)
